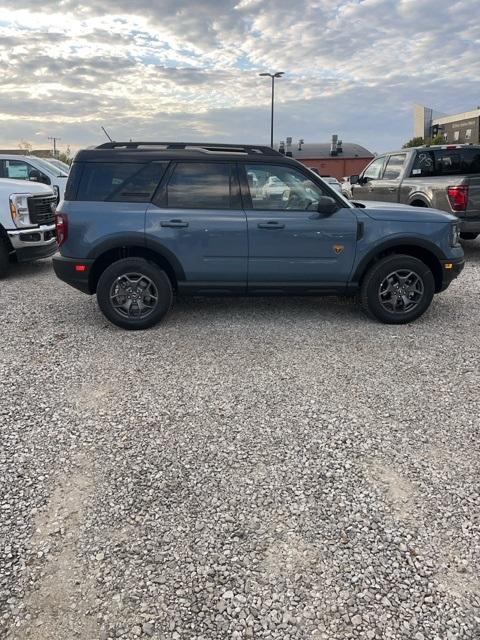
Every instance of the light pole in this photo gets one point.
(278, 74)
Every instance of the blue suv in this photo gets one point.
(143, 221)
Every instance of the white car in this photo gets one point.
(274, 189)
(18, 167)
(63, 166)
(333, 182)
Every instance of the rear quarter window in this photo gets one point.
(114, 182)
(446, 162)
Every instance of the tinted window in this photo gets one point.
(394, 167)
(438, 162)
(115, 182)
(373, 171)
(281, 187)
(200, 185)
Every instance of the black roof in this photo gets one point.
(148, 151)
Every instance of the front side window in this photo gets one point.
(117, 181)
(281, 187)
(17, 170)
(374, 170)
(201, 185)
(394, 167)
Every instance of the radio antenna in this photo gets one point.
(105, 132)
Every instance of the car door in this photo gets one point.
(369, 181)
(388, 188)
(197, 220)
(292, 247)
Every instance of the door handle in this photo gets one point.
(392, 188)
(271, 225)
(174, 223)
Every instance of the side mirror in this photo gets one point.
(37, 176)
(354, 179)
(327, 205)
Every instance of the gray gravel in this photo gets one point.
(268, 468)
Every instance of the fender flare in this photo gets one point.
(120, 241)
(398, 241)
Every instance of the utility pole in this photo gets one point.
(278, 74)
(54, 145)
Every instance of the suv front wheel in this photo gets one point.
(397, 289)
(134, 293)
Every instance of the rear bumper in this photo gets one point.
(469, 225)
(449, 273)
(66, 270)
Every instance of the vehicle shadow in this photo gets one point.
(24, 270)
(471, 249)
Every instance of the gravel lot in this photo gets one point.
(268, 468)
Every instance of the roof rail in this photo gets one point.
(251, 149)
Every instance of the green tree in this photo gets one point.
(65, 156)
(419, 141)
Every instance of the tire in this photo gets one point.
(468, 236)
(141, 290)
(381, 290)
(4, 258)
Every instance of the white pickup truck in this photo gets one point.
(27, 222)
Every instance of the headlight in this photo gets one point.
(19, 209)
(455, 235)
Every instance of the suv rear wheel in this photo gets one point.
(134, 293)
(397, 289)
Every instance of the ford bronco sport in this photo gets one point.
(142, 221)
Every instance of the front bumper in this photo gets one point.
(451, 269)
(66, 270)
(34, 243)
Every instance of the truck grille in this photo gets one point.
(42, 209)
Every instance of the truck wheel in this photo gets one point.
(468, 236)
(397, 289)
(4, 258)
(134, 293)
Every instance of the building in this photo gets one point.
(458, 128)
(336, 158)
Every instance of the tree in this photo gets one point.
(419, 141)
(24, 145)
(65, 156)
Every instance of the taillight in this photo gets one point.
(61, 226)
(458, 197)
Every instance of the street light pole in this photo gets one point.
(278, 74)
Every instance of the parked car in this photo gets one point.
(445, 177)
(142, 221)
(27, 229)
(63, 166)
(18, 167)
(274, 188)
(333, 182)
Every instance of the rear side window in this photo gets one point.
(114, 182)
(443, 162)
(201, 185)
(394, 166)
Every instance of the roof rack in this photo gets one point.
(251, 149)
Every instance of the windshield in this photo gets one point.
(48, 166)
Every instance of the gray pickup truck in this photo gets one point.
(445, 177)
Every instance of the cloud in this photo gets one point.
(177, 69)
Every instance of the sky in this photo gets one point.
(188, 69)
